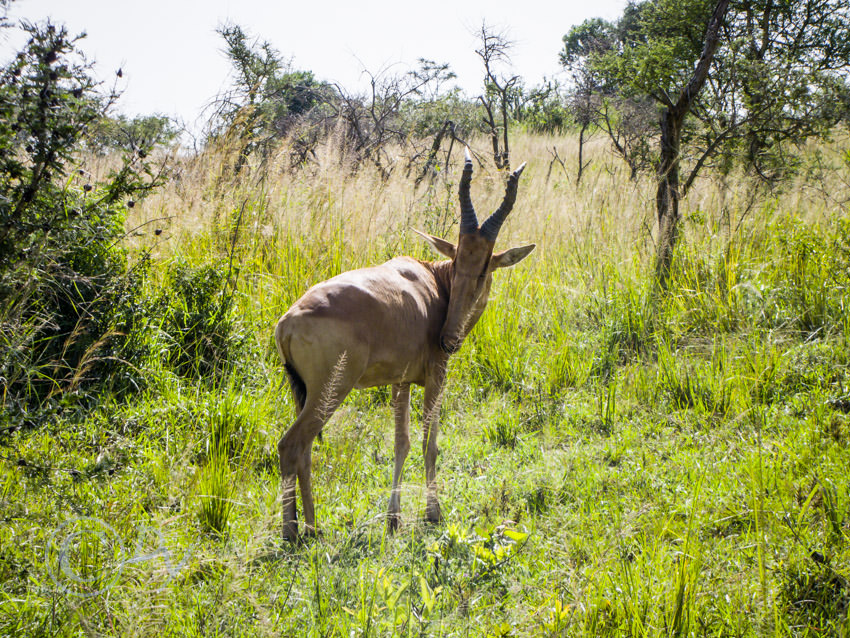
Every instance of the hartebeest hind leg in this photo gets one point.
(401, 408)
(295, 454)
(430, 429)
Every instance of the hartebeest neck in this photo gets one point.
(442, 271)
(463, 306)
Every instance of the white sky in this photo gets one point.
(173, 63)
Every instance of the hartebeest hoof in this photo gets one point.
(291, 535)
(311, 533)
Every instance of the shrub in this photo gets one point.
(546, 110)
(199, 325)
(70, 308)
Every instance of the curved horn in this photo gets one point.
(490, 228)
(468, 220)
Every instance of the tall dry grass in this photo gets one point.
(325, 197)
(606, 213)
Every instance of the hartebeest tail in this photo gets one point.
(296, 384)
(393, 324)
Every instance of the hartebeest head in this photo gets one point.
(473, 260)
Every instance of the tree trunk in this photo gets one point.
(506, 153)
(672, 119)
(581, 151)
(490, 121)
(667, 194)
(448, 125)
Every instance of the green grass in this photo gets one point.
(612, 463)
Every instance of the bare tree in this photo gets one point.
(629, 124)
(583, 106)
(499, 91)
(596, 102)
(374, 122)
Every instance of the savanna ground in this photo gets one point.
(614, 460)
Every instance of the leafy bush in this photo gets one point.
(546, 110)
(199, 325)
(130, 134)
(464, 562)
(71, 311)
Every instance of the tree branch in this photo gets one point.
(712, 38)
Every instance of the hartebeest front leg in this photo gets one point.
(431, 428)
(401, 408)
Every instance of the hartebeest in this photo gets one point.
(393, 324)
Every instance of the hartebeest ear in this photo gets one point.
(442, 246)
(510, 256)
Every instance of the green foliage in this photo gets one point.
(713, 290)
(592, 37)
(120, 133)
(770, 92)
(661, 42)
(270, 102)
(465, 560)
(545, 110)
(649, 51)
(267, 98)
(199, 326)
(46, 102)
(72, 314)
